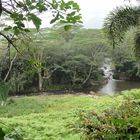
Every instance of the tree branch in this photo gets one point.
(10, 41)
(5, 10)
(11, 64)
(88, 76)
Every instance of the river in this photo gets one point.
(113, 86)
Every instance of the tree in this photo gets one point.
(119, 22)
(75, 64)
(66, 35)
(20, 12)
(35, 51)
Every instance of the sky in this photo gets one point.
(95, 11)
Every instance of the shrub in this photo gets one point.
(8, 133)
(120, 123)
(4, 90)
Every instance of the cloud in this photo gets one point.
(95, 11)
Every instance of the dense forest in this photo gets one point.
(56, 59)
(59, 60)
(55, 82)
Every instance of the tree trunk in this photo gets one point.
(10, 67)
(40, 80)
(0, 7)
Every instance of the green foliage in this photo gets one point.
(8, 133)
(46, 104)
(115, 123)
(21, 76)
(20, 83)
(35, 114)
(51, 117)
(65, 59)
(4, 90)
(124, 60)
(21, 11)
(35, 19)
(119, 21)
(74, 64)
(2, 134)
(67, 35)
(75, 60)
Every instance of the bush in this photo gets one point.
(8, 133)
(4, 90)
(120, 123)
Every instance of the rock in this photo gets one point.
(90, 95)
(92, 92)
(95, 96)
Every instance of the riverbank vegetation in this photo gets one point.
(124, 60)
(52, 62)
(59, 60)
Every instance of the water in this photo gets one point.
(113, 85)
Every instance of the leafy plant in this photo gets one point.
(112, 124)
(59, 9)
(2, 134)
(8, 133)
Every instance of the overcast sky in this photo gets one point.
(95, 11)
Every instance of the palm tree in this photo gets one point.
(119, 22)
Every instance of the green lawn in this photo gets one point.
(51, 117)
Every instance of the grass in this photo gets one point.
(50, 117)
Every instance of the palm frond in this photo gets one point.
(119, 21)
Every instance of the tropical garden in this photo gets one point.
(50, 78)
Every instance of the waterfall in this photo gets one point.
(109, 88)
(108, 73)
(112, 86)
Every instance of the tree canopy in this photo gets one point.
(23, 11)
